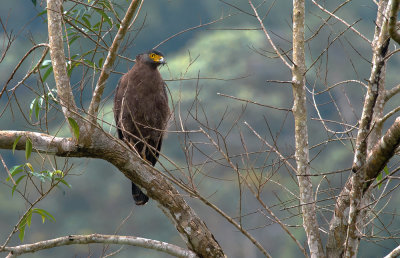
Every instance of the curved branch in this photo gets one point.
(102, 145)
(20, 63)
(104, 239)
(109, 62)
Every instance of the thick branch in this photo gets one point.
(394, 253)
(41, 143)
(307, 200)
(64, 91)
(104, 239)
(394, 8)
(380, 47)
(102, 145)
(382, 152)
(112, 54)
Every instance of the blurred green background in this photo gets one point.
(231, 57)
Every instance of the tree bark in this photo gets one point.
(345, 226)
(307, 200)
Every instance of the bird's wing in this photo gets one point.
(117, 108)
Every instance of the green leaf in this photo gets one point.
(26, 219)
(15, 143)
(90, 63)
(58, 172)
(87, 22)
(106, 5)
(21, 234)
(379, 178)
(100, 63)
(44, 214)
(16, 184)
(29, 165)
(47, 73)
(104, 15)
(63, 181)
(15, 170)
(37, 109)
(42, 176)
(41, 13)
(72, 40)
(74, 126)
(29, 219)
(28, 148)
(386, 170)
(32, 107)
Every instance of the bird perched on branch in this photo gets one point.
(141, 110)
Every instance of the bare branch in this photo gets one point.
(20, 63)
(64, 91)
(299, 110)
(269, 39)
(253, 102)
(104, 239)
(342, 21)
(8, 171)
(375, 82)
(109, 62)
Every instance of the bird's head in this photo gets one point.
(152, 57)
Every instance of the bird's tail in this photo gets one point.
(139, 197)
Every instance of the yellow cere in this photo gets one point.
(155, 57)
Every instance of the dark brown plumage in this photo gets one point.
(141, 110)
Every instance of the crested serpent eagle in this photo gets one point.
(141, 110)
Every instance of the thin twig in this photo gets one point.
(8, 171)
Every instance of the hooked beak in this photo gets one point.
(162, 61)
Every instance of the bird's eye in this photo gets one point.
(152, 55)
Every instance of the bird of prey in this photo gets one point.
(141, 110)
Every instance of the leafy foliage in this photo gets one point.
(54, 177)
(27, 220)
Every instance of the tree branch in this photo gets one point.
(41, 143)
(382, 152)
(64, 91)
(269, 39)
(307, 201)
(98, 238)
(109, 62)
(103, 146)
(376, 83)
(394, 8)
(394, 253)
